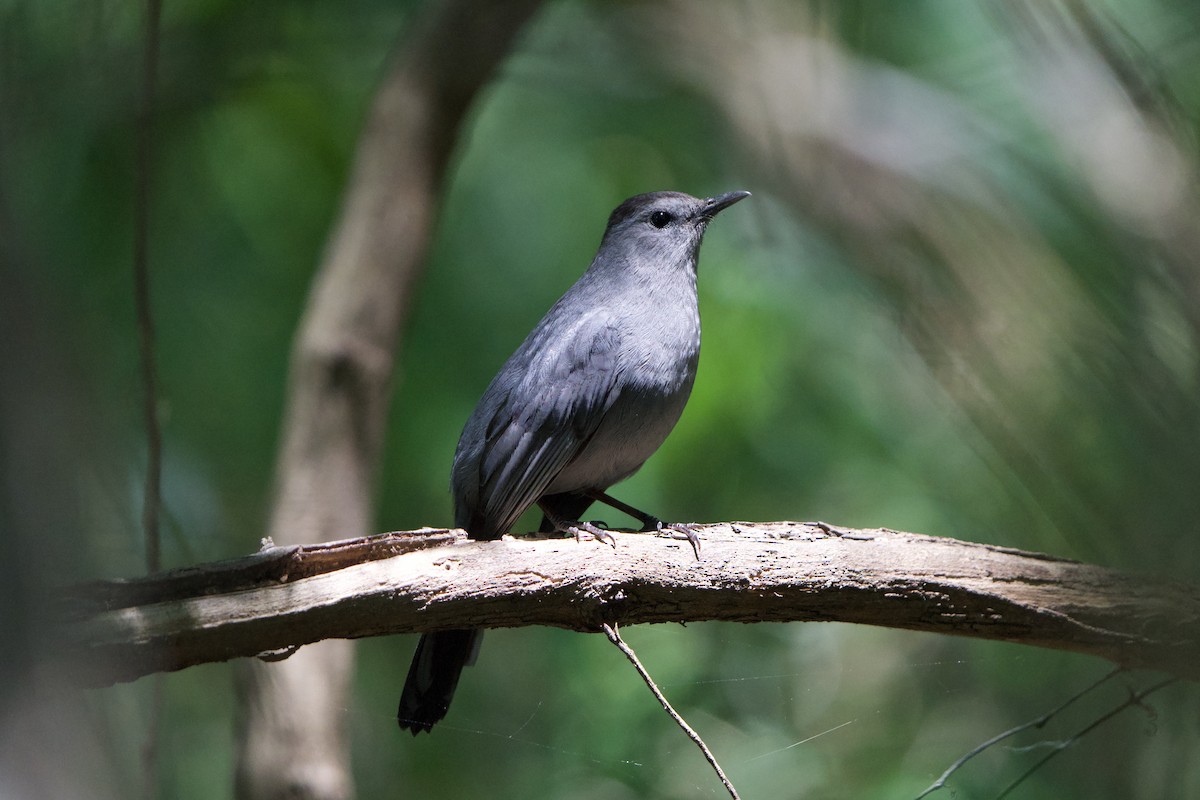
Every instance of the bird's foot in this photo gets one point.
(590, 530)
(681, 530)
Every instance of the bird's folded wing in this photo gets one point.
(546, 417)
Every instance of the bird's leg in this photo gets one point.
(578, 528)
(649, 521)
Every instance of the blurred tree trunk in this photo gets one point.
(291, 735)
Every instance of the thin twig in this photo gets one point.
(616, 639)
(1133, 700)
(141, 283)
(1034, 723)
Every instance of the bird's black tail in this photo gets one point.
(433, 676)
(440, 657)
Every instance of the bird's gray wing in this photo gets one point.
(534, 419)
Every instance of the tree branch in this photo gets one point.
(1041, 721)
(763, 572)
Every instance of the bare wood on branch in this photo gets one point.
(750, 572)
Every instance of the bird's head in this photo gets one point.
(662, 228)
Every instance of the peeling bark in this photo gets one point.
(749, 572)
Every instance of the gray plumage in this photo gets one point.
(589, 395)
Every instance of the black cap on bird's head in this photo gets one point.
(660, 208)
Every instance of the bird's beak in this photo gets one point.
(714, 204)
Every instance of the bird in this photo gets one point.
(587, 397)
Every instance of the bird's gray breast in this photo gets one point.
(656, 367)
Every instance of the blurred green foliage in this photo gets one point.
(983, 325)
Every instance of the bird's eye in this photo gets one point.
(660, 219)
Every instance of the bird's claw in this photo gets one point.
(682, 530)
(590, 530)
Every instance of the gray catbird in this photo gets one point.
(588, 396)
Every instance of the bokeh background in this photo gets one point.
(964, 300)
